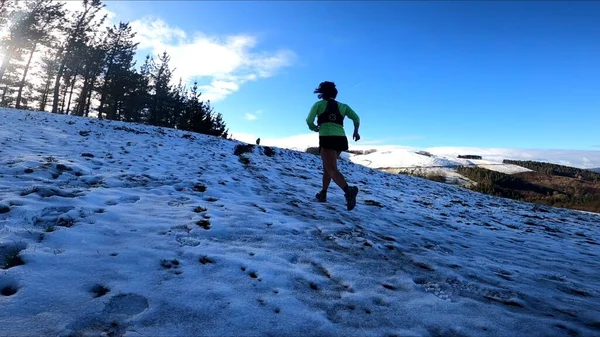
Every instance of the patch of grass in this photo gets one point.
(62, 167)
(204, 223)
(200, 209)
(13, 260)
(269, 152)
(199, 188)
(388, 286)
(166, 264)
(260, 208)
(241, 149)
(244, 160)
(206, 260)
(65, 222)
(312, 150)
(373, 203)
(99, 290)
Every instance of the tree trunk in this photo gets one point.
(71, 93)
(59, 75)
(64, 96)
(6, 61)
(3, 95)
(22, 83)
(81, 100)
(44, 98)
(89, 97)
(114, 108)
(105, 87)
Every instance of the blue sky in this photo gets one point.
(423, 74)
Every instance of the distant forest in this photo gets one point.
(557, 170)
(469, 156)
(546, 186)
(67, 63)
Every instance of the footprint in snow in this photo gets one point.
(113, 320)
(123, 200)
(171, 265)
(8, 286)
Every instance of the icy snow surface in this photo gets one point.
(126, 229)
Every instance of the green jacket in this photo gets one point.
(330, 129)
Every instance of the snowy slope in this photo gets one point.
(399, 158)
(403, 158)
(133, 230)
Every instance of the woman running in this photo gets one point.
(332, 138)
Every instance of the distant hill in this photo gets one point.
(532, 181)
(548, 184)
(597, 169)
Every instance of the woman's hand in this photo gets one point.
(356, 136)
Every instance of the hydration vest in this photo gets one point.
(331, 114)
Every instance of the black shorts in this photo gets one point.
(337, 143)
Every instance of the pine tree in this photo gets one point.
(92, 61)
(47, 14)
(116, 73)
(135, 96)
(198, 116)
(49, 67)
(69, 52)
(162, 93)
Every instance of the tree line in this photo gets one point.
(67, 63)
(557, 170)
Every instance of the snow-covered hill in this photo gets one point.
(421, 163)
(122, 229)
(402, 158)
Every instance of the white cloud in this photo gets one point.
(252, 116)
(575, 158)
(225, 63)
(297, 142)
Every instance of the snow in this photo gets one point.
(400, 158)
(403, 159)
(134, 230)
